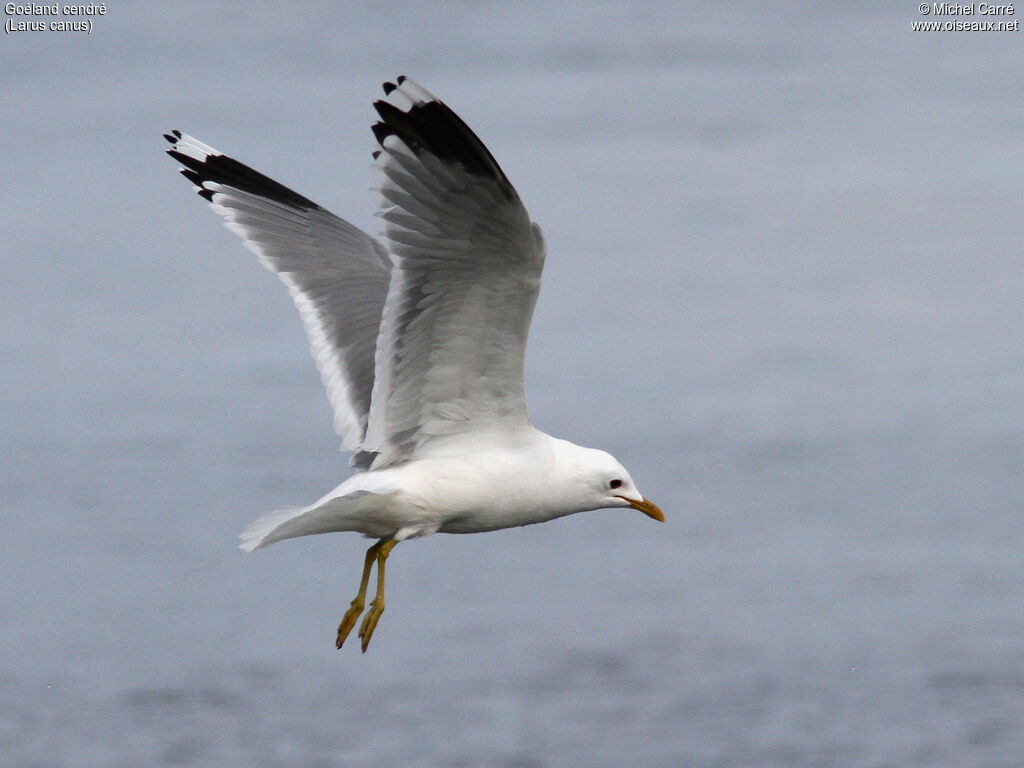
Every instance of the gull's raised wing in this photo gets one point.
(337, 275)
(467, 266)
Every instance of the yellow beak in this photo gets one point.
(648, 508)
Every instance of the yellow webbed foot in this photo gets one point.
(370, 622)
(348, 621)
(378, 552)
(352, 614)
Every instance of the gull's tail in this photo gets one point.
(345, 511)
(270, 528)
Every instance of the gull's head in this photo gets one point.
(606, 483)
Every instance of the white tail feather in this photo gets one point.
(344, 512)
(261, 532)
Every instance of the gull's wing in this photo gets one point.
(466, 275)
(337, 275)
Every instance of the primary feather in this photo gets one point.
(337, 275)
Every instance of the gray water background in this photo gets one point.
(784, 287)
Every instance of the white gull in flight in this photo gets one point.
(419, 337)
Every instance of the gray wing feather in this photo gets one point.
(337, 275)
(467, 271)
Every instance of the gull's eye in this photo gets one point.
(615, 484)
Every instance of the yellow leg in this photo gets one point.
(377, 606)
(356, 608)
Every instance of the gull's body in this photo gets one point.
(420, 340)
(474, 484)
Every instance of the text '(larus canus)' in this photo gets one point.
(419, 337)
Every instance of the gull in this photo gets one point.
(419, 337)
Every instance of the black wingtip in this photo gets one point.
(401, 79)
(197, 179)
(174, 136)
(183, 159)
(376, 154)
(389, 87)
(193, 176)
(380, 130)
(220, 169)
(432, 127)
